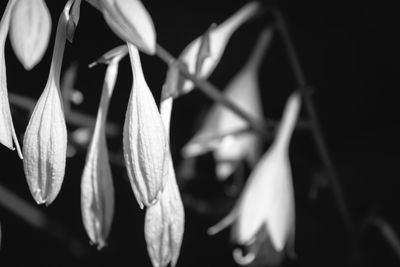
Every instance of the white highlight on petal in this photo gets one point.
(45, 140)
(30, 31)
(144, 138)
(8, 136)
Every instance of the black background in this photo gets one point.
(349, 51)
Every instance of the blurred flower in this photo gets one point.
(30, 30)
(130, 21)
(267, 200)
(144, 138)
(7, 131)
(45, 140)
(165, 224)
(214, 43)
(223, 131)
(97, 190)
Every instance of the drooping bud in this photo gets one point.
(8, 136)
(130, 21)
(30, 31)
(97, 190)
(45, 140)
(144, 138)
(165, 225)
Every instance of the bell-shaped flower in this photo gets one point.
(227, 134)
(8, 136)
(144, 139)
(165, 224)
(267, 200)
(130, 21)
(30, 31)
(45, 140)
(216, 40)
(97, 190)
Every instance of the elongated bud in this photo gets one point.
(45, 140)
(144, 138)
(215, 41)
(30, 31)
(8, 136)
(164, 225)
(97, 190)
(130, 21)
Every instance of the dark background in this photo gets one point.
(350, 55)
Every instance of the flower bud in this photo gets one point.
(130, 21)
(164, 224)
(30, 31)
(8, 136)
(97, 190)
(144, 138)
(45, 140)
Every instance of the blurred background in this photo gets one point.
(350, 55)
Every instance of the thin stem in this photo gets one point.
(211, 91)
(314, 122)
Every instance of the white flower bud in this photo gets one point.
(30, 31)
(130, 21)
(164, 225)
(97, 190)
(45, 140)
(144, 138)
(7, 131)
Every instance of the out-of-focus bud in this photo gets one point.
(215, 41)
(130, 21)
(97, 190)
(8, 136)
(30, 31)
(267, 201)
(144, 138)
(225, 133)
(45, 140)
(165, 224)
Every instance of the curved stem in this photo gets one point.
(314, 122)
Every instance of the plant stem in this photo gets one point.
(211, 91)
(314, 122)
